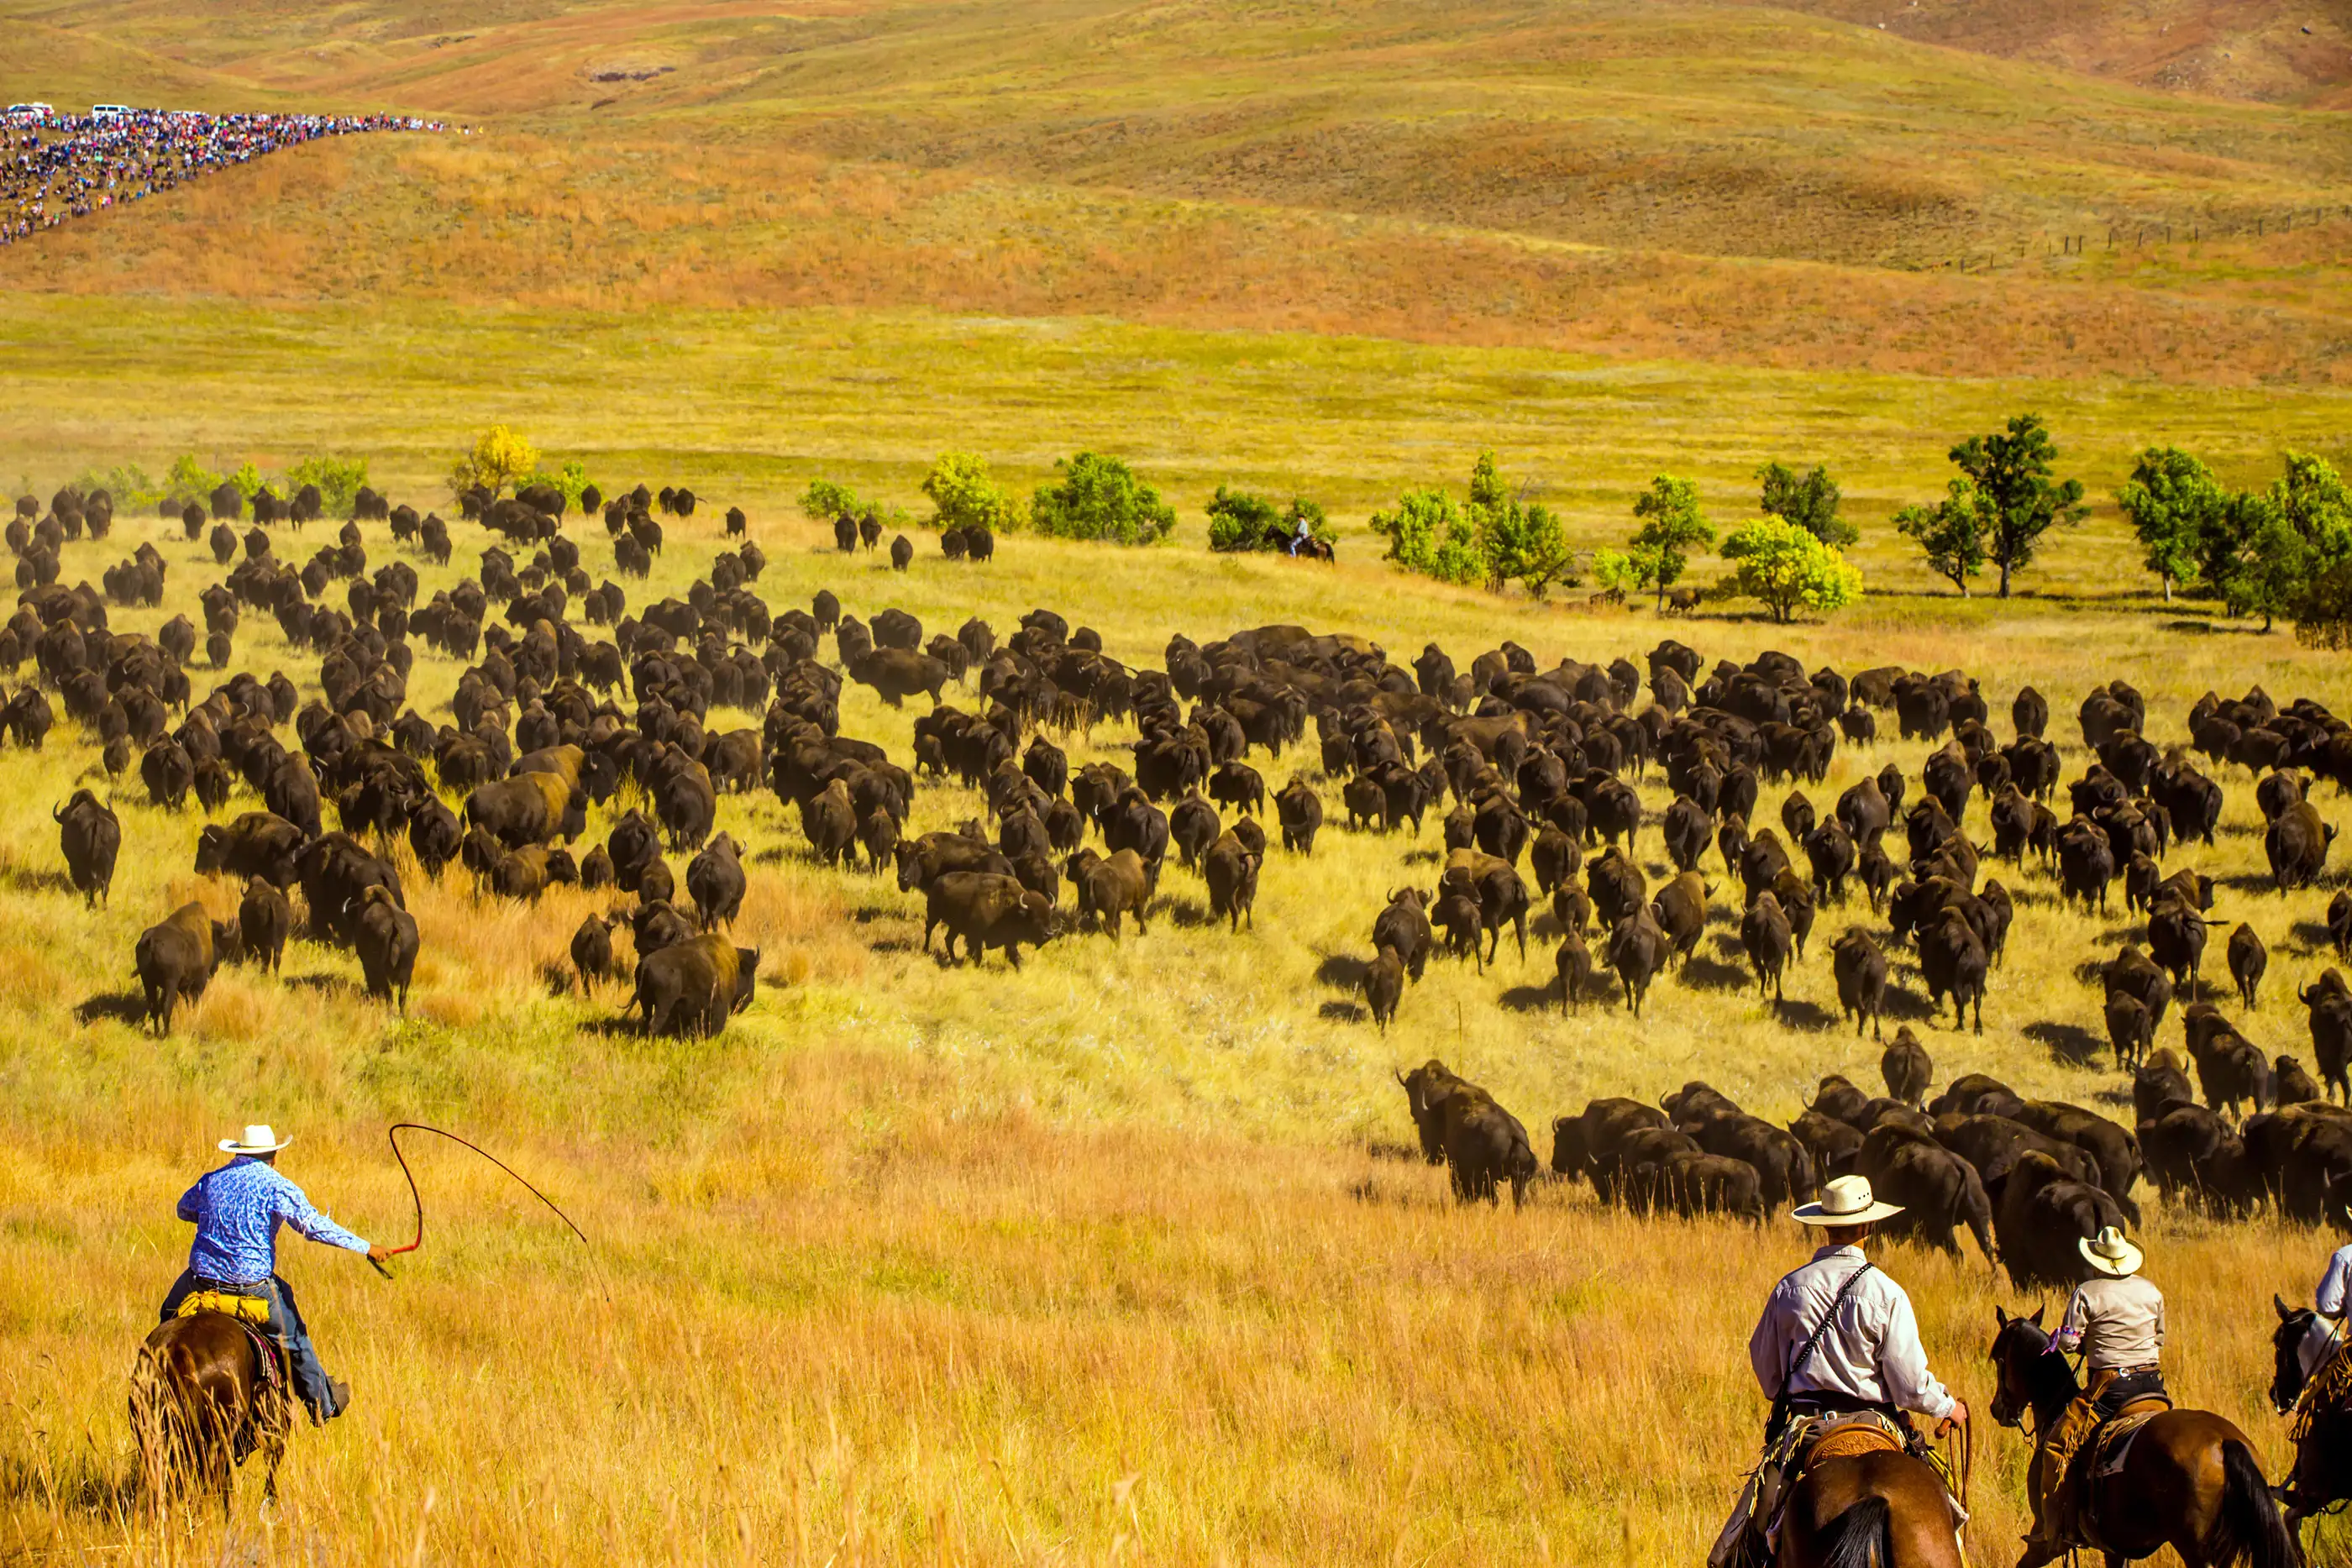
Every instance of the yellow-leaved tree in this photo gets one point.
(500, 457)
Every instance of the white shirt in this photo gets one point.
(2114, 1322)
(2335, 1283)
(1871, 1353)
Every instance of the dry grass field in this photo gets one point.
(1111, 1260)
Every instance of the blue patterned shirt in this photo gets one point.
(237, 1211)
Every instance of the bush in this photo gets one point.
(338, 480)
(1239, 521)
(1786, 566)
(824, 501)
(1659, 553)
(190, 480)
(500, 458)
(1810, 500)
(1494, 540)
(1099, 497)
(965, 497)
(126, 481)
(249, 481)
(568, 482)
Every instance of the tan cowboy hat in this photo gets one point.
(1845, 1200)
(2110, 1254)
(257, 1140)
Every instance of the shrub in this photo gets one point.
(247, 480)
(568, 482)
(1428, 533)
(338, 480)
(190, 480)
(965, 497)
(1239, 521)
(1786, 566)
(1951, 533)
(824, 501)
(126, 481)
(500, 458)
(1099, 497)
(1494, 540)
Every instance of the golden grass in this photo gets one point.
(1101, 1259)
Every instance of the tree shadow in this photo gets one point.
(2070, 1044)
(122, 1007)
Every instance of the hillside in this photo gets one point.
(1680, 182)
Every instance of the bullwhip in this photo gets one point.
(392, 1135)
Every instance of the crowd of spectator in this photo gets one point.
(57, 166)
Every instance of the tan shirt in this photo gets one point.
(2114, 1323)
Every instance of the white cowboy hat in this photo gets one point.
(2110, 1254)
(1845, 1200)
(257, 1140)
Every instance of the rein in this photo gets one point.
(392, 1135)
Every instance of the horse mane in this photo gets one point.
(2049, 1383)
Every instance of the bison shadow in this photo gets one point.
(1186, 915)
(122, 1007)
(1906, 1006)
(1342, 1012)
(2071, 1045)
(1381, 1149)
(326, 983)
(1424, 857)
(2313, 936)
(1344, 972)
(1809, 1015)
(27, 879)
(1702, 973)
(1534, 998)
(2250, 882)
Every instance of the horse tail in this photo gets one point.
(1861, 1537)
(2250, 1528)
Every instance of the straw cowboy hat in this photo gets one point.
(2110, 1254)
(257, 1140)
(1845, 1200)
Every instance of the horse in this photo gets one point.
(2190, 1480)
(1884, 1510)
(201, 1402)
(2322, 1473)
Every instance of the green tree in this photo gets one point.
(1950, 531)
(824, 501)
(965, 497)
(568, 482)
(1672, 527)
(1783, 564)
(2016, 497)
(2172, 502)
(1809, 499)
(1239, 521)
(499, 459)
(1625, 571)
(1517, 542)
(247, 480)
(338, 480)
(1099, 497)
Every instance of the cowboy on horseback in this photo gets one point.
(1837, 1345)
(237, 1211)
(2116, 1320)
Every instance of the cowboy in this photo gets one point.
(2335, 1285)
(1837, 1339)
(237, 1211)
(1300, 534)
(2116, 1320)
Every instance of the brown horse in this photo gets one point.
(1872, 1510)
(2322, 1476)
(2190, 1482)
(201, 1402)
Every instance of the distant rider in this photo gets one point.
(2116, 1320)
(1837, 1338)
(237, 1211)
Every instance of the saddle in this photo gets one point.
(2328, 1389)
(2102, 1457)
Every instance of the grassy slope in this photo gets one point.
(1687, 182)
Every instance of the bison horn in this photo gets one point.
(56, 813)
(1398, 1076)
(2284, 1315)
